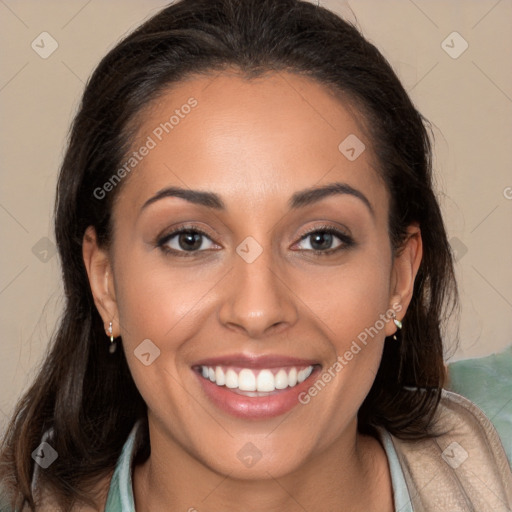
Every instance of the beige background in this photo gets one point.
(468, 100)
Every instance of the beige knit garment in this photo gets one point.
(463, 470)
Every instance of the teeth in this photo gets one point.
(281, 381)
(265, 381)
(304, 374)
(220, 378)
(292, 377)
(247, 380)
(231, 379)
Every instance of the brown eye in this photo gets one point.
(326, 240)
(190, 241)
(183, 241)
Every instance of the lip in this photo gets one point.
(268, 405)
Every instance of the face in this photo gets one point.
(226, 265)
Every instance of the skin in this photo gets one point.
(254, 143)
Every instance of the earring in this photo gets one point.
(397, 323)
(113, 344)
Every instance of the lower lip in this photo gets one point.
(259, 407)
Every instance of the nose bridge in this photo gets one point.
(256, 297)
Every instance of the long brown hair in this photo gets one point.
(86, 395)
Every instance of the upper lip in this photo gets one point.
(255, 361)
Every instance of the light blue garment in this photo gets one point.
(120, 496)
(401, 494)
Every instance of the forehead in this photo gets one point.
(252, 141)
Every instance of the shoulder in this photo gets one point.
(487, 382)
(458, 417)
(461, 464)
(47, 501)
(108, 491)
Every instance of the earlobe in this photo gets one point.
(99, 271)
(405, 268)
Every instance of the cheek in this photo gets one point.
(352, 304)
(349, 298)
(154, 297)
(165, 303)
(157, 302)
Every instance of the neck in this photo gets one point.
(352, 475)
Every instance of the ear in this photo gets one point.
(405, 267)
(101, 279)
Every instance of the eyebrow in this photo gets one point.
(299, 199)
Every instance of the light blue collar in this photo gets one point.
(400, 492)
(120, 494)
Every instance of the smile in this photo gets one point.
(254, 387)
(263, 380)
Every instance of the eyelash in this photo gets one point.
(347, 241)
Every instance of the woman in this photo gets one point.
(256, 270)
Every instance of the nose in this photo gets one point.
(257, 300)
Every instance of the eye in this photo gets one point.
(326, 240)
(188, 241)
(185, 240)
